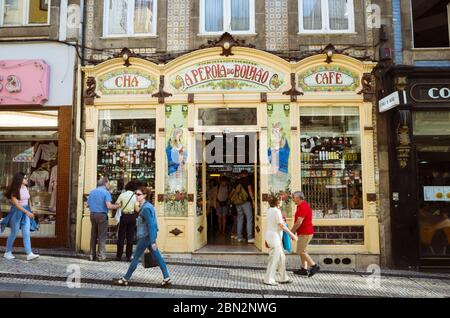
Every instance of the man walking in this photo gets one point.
(243, 198)
(305, 231)
(99, 202)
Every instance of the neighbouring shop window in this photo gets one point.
(329, 16)
(430, 23)
(234, 16)
(432, 140)
(331, 161)
(24, 12)
(129, 17)
(33, 151)
(227, 117)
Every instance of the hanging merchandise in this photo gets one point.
(47, 152)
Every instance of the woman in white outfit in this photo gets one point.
(274, 241)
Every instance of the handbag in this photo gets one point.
(287, 244)
(148, 260)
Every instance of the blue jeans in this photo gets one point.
(245, 210)
(142, 245)
(19, 221)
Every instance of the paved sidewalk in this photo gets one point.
(19, 278)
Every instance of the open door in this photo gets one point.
(201, 223)
(257, 210)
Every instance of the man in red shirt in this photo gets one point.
(304, 228)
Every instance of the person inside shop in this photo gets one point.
(275, 227)
(303, 226)
(147, 232)
(127, 224)
(222, 208)
(212, 199)
(99, 202)
(243, 198)
(20, 216)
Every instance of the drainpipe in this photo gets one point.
(81, 159)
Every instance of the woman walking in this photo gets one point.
(274, 241)
(20, 216)
(147, 230)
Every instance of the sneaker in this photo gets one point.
(313, 270)
(234, 237)
(271, 283)
(9, 256)
(91, 258)
(251, 241)
(32, 256)
(301, 272)
(102, 259)
(241, 240)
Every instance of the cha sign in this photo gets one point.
(227, 75)
(124, 82)
(328, 79)
(24, 82)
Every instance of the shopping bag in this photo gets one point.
(148, 260)
(287, 245)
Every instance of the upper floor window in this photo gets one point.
(129, 17)
(326, 16)
(24, 12)
(431, 23)
(234, 16)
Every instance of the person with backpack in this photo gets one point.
(127, 225)
(242, 197)
(222, 196)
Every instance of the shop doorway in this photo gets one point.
(227, 160)
(433, 157)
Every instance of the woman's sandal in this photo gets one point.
(122, 282)
(166, 282)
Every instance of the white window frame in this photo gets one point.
(25, 17)
(130, 19)
(326, 19)
(227, 19)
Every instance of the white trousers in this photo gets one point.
(277, 259)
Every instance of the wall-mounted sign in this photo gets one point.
(391, 101)
(431, 93)
(328, 79)
(127, 81)
(227, 75)
(436, 193)
(24, 82)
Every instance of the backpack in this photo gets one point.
(240, 196)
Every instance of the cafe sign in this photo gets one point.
(24, 82)
(328, 79)
(227, 75)
(124, 82)
(431, 93)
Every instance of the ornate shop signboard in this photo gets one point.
(328, 79)
(430, 92)
(227, 75)
(125, 82)
(24, 82)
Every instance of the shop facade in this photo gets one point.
(36, 97)
(305, 126)
(419, 147)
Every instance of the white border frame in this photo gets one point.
(130, 20)
(25, 17)
(227, 19)
(326, 19)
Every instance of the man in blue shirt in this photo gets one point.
(99, 202)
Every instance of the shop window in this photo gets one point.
(129, 17)
(432, 142)
(234, 16)
(33, 150)
(227, 117)
(326, 16)
(430, 23)
(24, 12)
(331, 161)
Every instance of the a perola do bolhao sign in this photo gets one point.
(227, 75)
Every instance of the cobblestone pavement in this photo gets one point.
(205, 279)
